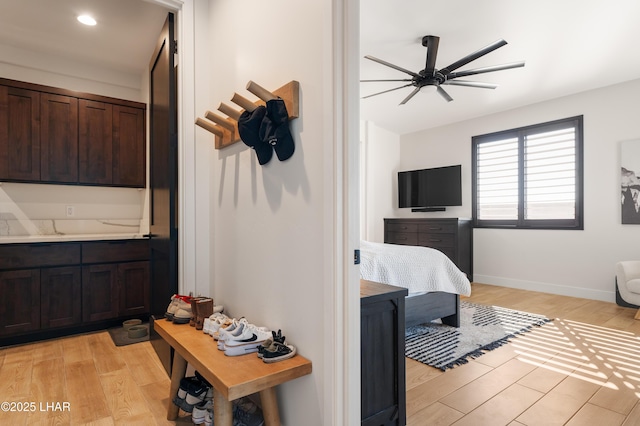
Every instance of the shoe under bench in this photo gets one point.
(231, 377)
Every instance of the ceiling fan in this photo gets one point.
(430, 76)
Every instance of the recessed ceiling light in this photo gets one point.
(87, 20)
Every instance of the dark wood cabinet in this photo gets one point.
(99, 292)
(129, 155)
(452, 236)
(117, 284)
(134, 288)
(52, 135)
(111, 152)
(20, 305)
(19, 134)
(382, 354)
(58, 138)
(95, 142)
(60, 295)
(115, 290)
(72, 284)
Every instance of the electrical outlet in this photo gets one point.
(70, 210)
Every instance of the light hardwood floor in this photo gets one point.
(101, 383)
(582, 369)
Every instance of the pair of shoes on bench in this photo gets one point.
(276, 349)
(201, 308)
(243, 339)
(178, 302)
(275, 337)
(216, 320)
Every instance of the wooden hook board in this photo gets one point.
(289, 93)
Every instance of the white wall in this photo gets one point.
(42, 68)
(380, 161)
(575, 263)
(271, 228)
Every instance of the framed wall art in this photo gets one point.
(629, 181)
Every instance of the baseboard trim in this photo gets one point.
(561, 290)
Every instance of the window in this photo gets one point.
(529, 177)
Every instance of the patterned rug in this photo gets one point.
(482, 328)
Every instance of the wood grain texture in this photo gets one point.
(85, 392)
(101, 383)
(234, 377)
(577, 370)
(574, 389)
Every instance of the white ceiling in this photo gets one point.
(123, 39)
(568, 45)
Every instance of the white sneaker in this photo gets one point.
(247, 342)
(217, 320)
(237, 331)
(199, 414)
(227, 329)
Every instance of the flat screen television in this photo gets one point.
(430, 189)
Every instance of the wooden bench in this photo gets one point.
(231, 377)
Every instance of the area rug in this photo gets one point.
(120, 335)
(482, 328)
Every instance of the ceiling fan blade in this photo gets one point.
(385, 91)
(431, 42)
(395, 67)
(485, 69)
(411, 95)
(444, 94)
(376, 81)
(473, 56)
(466, 83)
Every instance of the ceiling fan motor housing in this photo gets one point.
(431, 76)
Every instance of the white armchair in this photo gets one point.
(628, 284)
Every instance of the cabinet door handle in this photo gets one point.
(435, 229)
(433, 240)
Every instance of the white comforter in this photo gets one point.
(418, 269)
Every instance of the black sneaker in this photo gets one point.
(246, 413)
(192, 391)
(267, 343)
(278, 352)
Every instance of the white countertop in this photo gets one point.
(64, 238)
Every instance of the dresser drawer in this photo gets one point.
(18, 256)
(115, 251)
(406, 238)
(402, 227)
(437, 228)
(436, 240)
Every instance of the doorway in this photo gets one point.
(163, 182)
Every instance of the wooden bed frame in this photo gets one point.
(429, 306)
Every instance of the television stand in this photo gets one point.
(429, 209)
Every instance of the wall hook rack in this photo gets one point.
(226, 129)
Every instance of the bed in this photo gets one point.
(434, 282)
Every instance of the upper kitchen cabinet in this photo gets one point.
(95, 142)
(129, 156)
(19, 134)
(58, 138)
(52, 135)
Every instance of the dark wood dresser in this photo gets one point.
(383, 375)
(452, 236)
